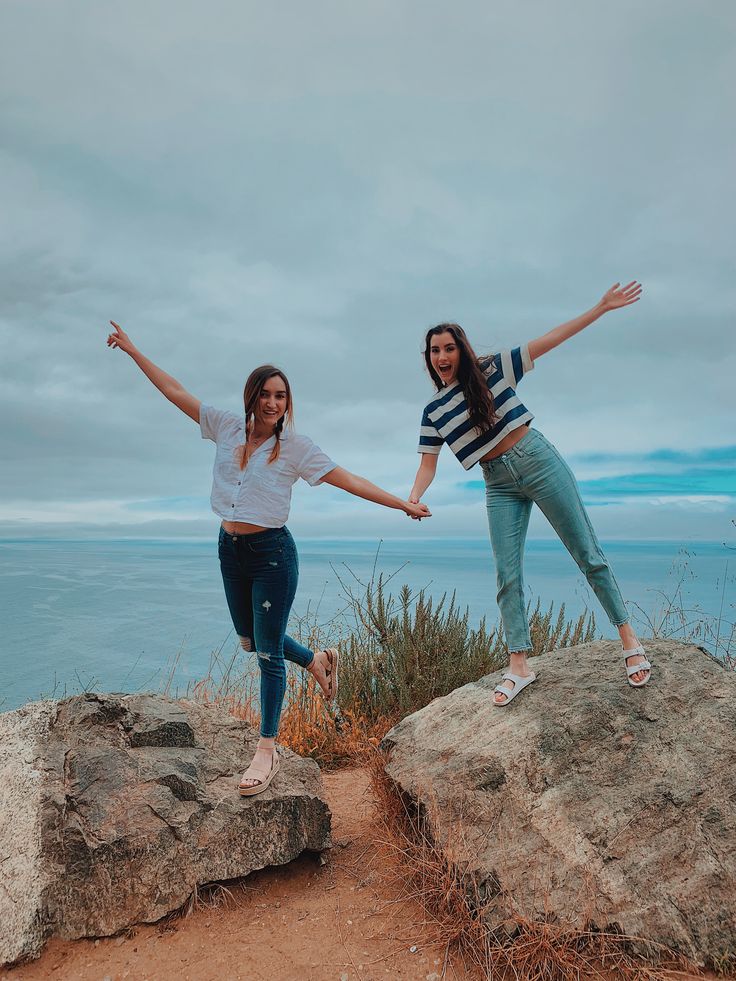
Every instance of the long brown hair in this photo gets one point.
(251, 393)
(481, 410)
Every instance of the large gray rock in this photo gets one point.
(586, 799)
(116, 808)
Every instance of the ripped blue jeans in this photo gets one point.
(260, 573)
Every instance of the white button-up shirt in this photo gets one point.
(260, 494)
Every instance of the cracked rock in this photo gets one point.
(586, 800)
(116, 808)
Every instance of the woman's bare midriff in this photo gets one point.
(506, 443)
(241, 528)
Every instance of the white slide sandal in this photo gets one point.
(519, 685)
(634, 668)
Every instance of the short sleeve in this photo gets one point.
(312, 464)
(212, 421)
(515, 364)
(430, 440)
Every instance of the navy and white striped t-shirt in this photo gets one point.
(445, 419)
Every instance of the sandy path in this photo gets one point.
(300, 921)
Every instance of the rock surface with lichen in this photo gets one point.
(585, 801)
(116, 808)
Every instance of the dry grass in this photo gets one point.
(671, 615)
(397, 656)
(309, 726)
(403, 651)
(398, 653)
(332, 737)
(526, 949)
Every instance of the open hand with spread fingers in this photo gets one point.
(621, 296)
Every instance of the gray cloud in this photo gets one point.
(315, 186)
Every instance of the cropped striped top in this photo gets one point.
(445, 419)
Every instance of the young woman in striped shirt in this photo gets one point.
(478, 414)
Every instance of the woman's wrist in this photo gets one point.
(599, 309)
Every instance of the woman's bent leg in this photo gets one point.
(296, 652)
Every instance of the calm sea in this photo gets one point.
(134, 615)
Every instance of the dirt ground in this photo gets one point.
(335, 922)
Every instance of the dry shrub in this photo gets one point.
(310, 727)
(403, 651)
(398, 653)
(241, 701)
(454, 909)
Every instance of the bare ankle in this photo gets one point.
(518, 661)
(628, 637)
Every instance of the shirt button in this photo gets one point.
(239, 482)
(232, 505)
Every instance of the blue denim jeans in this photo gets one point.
(260, 573)
(533, 472)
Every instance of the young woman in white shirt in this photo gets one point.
(258, 459)
(477, 412)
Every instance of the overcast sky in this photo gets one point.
(316, 184)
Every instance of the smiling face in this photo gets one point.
(273, 401)
(267, 400)
(444, 356)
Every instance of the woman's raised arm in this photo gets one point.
(167, 385)
(617, 296)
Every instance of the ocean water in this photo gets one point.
(138, 615)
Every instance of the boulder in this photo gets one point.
(585, 800)
(116, 808)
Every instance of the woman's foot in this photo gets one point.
(630, 642)
(517, 665)
(260, 773)
(321, 669)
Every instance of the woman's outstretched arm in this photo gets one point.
(425, 476)
(361, 487)
(167, 385)
(617, 296)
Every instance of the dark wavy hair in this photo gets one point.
(251, 393)
(481, 410)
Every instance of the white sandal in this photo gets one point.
(257, 784)
(635, 668)
(519, 685)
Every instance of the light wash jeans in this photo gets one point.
(260, 573)
(533, 472)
